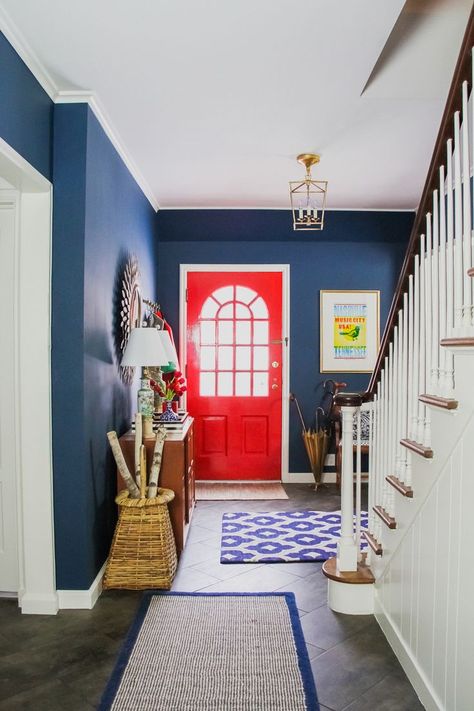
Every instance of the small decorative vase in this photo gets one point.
(146, 399)
(168, 415)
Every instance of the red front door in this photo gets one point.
(233, 355)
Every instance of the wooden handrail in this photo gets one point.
(462, 73)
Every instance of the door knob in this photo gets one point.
(274, 386)
(275, 364)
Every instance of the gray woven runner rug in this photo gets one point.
(213, 652)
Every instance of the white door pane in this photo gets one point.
(227, 311)
(208, 332)
(260, 358)
(260, 384)
(242, 384)
(242, 332)
(225, 331)
(242, 358)
(242, 311)
(224, 384)
(244, 294)
(224, 294)
(225, 359)
(260, 332)
(209, 309)
(259, 308)
(207, 384)
(208, 358)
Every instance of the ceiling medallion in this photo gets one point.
(308, 197)
(131, 310)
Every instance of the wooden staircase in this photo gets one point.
(418, 573)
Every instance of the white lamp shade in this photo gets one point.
(170, 350)
(144, 347)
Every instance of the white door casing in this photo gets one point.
(31, 381)
(9, 568)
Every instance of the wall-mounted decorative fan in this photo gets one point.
(131, 309)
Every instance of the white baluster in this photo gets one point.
(391, 421)
(416, 349)
(434, 375)
(466, 239)
(458, 266)
(426, 440)
(422, 362)
(449, 264)
(443, 331)
(403, 433)
(374, 448)
(386, 470)
(410, 386)
(399, 397)
(358, 506)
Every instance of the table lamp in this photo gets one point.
(145, 348)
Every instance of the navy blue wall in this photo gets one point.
(356, 250)
(100, 216)
(26, 113)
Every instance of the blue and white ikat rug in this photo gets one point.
(281, 536)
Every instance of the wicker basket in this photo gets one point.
(143, 551)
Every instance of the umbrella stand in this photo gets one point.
(316, 443)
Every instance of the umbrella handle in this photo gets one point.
(293, 399)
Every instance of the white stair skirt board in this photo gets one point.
(82, 599)
(412, 669)
(351, 599)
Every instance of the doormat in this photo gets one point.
(281, 536)
(201, 651)
(222, 491)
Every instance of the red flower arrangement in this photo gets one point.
(175, 385)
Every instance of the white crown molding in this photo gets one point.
(22, 48)
(287, 209)
(41, 74)
(81, 97)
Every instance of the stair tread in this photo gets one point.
(373, 543)
(462, 341)
(362, 576)
(418, 448)
(388, 520)
(400, 486)
(446, 403)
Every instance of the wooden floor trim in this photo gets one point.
(373, 543)
(418, 448)
(362, 576)
(445, 403)
(400, 486)
(388, 520)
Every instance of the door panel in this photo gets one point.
(233, 355)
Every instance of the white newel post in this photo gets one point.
(347, 552)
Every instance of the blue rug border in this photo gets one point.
(304, 664)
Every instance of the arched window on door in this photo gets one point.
(233, 347)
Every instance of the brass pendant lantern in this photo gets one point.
(308, 197)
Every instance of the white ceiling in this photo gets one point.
(211, 100)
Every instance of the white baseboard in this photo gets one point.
(307, 478)
(32, 604)
(82, 599)
(418, 680)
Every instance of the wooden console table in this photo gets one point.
(177, 473)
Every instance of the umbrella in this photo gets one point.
(316, 443)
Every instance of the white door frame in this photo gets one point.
(284, 269)
(32, 383)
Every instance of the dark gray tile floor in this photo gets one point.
(63, 662)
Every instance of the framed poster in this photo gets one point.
(349, 331)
